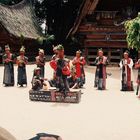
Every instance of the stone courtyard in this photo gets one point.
(101, 115)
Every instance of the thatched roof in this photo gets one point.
(19, 20)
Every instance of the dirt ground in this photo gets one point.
(101, 115)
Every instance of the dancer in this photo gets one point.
(126, 65)
(22, 61)
(79, 63)
(8, 60)
(100, 75)
(61, 66)
(40, 62)
(137, 66)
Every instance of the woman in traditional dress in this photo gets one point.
(79, 63)
(40, 62)
(22, 61)
(100, 74)
(53, 81)
(74, 82)
(137, 66)
(8, 60)
(126, 65)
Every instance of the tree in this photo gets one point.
(59, 16)
(133, 32)
(10, 2)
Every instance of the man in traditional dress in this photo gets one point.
(53, 59)
(8, 60)
(79, 63)
(126, 65)
(61, 66)
(55, 53)
(137, 66)
(40, 62)
(37, 81)
(100, 74)
(1, 54)
(73, 80)
(22, 60)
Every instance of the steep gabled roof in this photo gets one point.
(87, 7)
(19, 20)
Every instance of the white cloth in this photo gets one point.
(122, 63)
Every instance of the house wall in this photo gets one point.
(104, 28)
(15, 44)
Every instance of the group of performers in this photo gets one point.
(66, 74)
(65, 77)
(9, 59)
(126, 65)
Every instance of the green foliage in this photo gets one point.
(5, 1)
(50, 38)
(10, 2)
(46, 40)
(40, 40)
(59, 14)
(133, 32)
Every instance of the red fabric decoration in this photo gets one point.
(66, 71)
(78, 64)
(53, 64)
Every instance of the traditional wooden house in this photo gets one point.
(100, 24)
(18, 26)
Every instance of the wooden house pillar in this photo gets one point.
(86, 55)
(109, 54)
